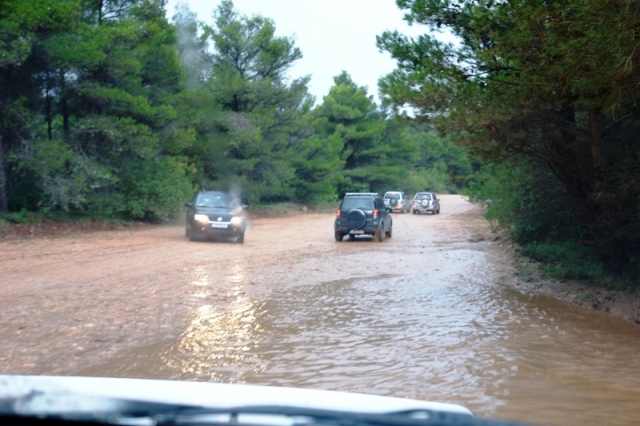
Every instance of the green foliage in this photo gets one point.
(21, 22)
(349, 122)
(441, 166)
(22, 216)
(527, 200)
(550, 82)
(259, 123)
(496, 186)
(114, 112)
(433, 179)
(565, 260)
(157, 190)
(528, 204)
(318, 167)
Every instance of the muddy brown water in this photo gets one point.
(431, 314)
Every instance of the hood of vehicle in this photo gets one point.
(202, 394)
(212, 210)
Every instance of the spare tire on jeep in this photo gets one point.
(356, 219)
(393, 202)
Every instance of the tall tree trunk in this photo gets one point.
(49, 117)
(3, 181)
(64, 105)
(575, 162)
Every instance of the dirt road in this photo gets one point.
(430, 313)
(68, 302)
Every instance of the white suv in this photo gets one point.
(426, 202)
(397, 201)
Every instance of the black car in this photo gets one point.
(215, 214)
(363, 213)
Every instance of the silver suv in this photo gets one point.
(397, 201)
(426, 202)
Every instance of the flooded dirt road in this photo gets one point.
(431, 313)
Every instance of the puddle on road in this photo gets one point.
(448, 334)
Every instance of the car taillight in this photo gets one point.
(338, 213)
(375, 214)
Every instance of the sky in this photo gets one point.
(333, 35)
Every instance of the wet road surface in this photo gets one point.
(428, 314)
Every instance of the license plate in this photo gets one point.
(359, 231)
(218, 225)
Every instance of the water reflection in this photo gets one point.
(201, 280)
(418, 338)
(453, 335)
(449, 333)
(221, 340)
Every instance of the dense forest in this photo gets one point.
(547, 95)
(109, 108)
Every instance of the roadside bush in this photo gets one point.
(434, 179)
(26, 194)
(570, 261)
(565, 260)
(157, 190)
(528, 203)
(22, 216)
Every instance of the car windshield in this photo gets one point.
(198, 191)
(220, 200)
(356, 203)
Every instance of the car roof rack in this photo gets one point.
(361, 193)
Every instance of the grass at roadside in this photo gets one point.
(567, 261)
(593, 290)
(25, 224)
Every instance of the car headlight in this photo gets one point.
(201, 218)
(237, 220)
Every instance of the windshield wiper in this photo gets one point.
(67, 409)
(286, 415)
